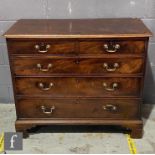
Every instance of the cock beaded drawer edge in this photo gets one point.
(78, 72)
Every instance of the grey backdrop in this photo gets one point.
(12, 10)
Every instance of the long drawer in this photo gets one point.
(76, 47)
(46, 66)
(79, 108)
(85, 87)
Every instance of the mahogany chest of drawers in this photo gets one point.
(78, 72)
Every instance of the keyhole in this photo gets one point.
(77, 62)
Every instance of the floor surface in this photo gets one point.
(85, 139)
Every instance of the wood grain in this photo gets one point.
(78, 28)
(78, 84)
(126, 47)
(78, 87)
(78, 108)
(28, 47)
(28, 66)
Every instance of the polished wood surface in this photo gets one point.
(76, 66)
(126, 47)
(76, 47)
(79, 108)
(78, 87)
(56, 47)
(78, 28)
(78, 72)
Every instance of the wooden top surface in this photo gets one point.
(78, 28)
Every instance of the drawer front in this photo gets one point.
(112, 47)
(84, 87)
(78, 108)
(32, 66)
(41, 47)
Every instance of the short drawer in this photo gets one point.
(100, 66)
(76, 87)
(78, 108)
(112, 47)
(41, 47)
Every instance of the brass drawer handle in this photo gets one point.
(43, 87)
(39, 66)
(114, 86)
(114, 48)
(110, 107)
(45, 111)
(115, 66)
(40, 48)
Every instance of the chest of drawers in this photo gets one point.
(78, 72)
